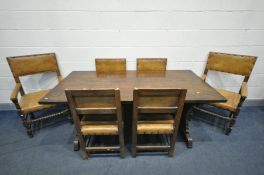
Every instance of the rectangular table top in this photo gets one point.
(198, 91)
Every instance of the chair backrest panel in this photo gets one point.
(151, 64)
(93, 101)
(158, 100)
(110, 65)
(231, 63)
(33, 64)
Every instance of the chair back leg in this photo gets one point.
(121, 141)
(84, 153)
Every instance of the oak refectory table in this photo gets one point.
(198, 91)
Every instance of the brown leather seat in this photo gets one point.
(232, 102)
(97, 129)
(30, 102)
(155, 124)
(155, 128)
(100, 125)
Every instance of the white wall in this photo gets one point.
(183, 31)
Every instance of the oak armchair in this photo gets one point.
(233, 64)
(28, 103)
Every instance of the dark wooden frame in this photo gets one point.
(179, 95)
(114, 93)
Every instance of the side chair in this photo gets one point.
(96, 112)
(157, 111)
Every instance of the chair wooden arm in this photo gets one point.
(59, 78)
(203, 77)
(15, 92)
(243, 90)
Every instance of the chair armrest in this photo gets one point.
(59, 78)
(243, 90)
(203, 77)
(15, 92)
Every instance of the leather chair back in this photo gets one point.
(33, 64)
(158, 101)
(94, 102)
(151, 64)
(110, 65)
(231, 63)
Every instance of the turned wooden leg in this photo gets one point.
(29, 129)
(23, 119)
(29, 126)
(231, 122)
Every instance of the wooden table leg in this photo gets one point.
(184, 125)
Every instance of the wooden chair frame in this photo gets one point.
(157, 109)
(227, 65)
(29, 65)
(76, 111)
(151, 64)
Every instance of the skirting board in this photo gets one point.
(249, 102)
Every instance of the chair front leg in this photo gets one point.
(84, 153)
(23, 118)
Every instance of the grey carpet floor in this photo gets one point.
(51, 150)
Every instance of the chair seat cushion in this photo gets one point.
(30, 102)
(100, 129)
(155, 128)
(155, 124)
(232, 100)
